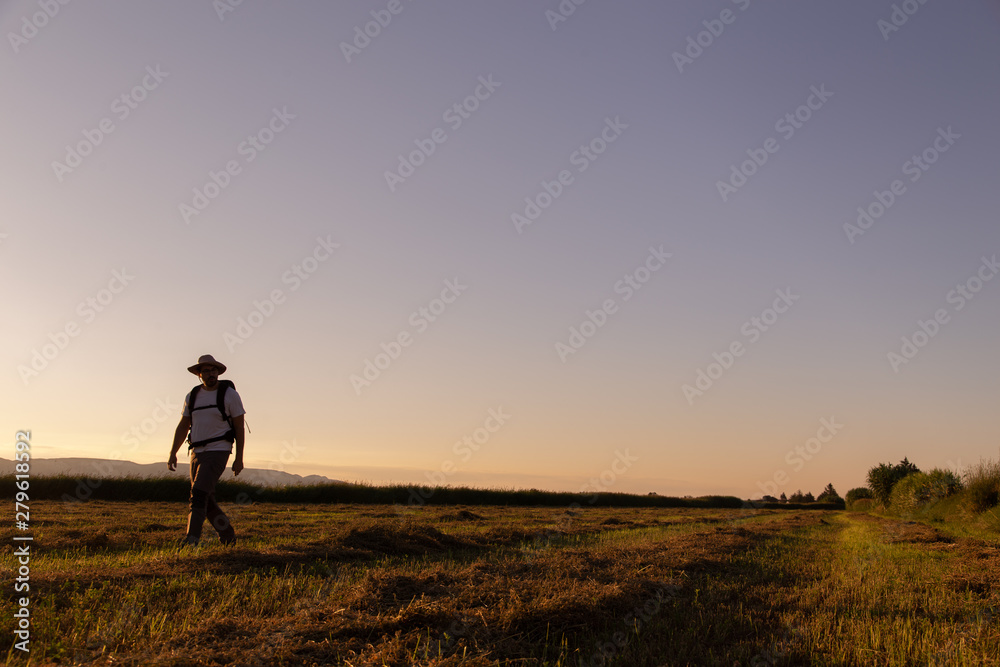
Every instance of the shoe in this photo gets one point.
(188, 541)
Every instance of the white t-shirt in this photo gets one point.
(208, 423)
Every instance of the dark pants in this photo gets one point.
(206, 469)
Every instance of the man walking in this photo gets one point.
(213, 414)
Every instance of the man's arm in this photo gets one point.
(240, 438)
(179, 434)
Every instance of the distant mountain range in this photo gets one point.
(95, 468)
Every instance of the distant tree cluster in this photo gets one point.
(829, 495)
(799, 497)
(904, 489)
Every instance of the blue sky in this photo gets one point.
(206, 90)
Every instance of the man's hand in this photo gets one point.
(172, 462)
(239, 441)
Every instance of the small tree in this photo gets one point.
(796, 497)
(904, 468)
(808, 498)
(783, 498)
(829, 494)
(880, 481)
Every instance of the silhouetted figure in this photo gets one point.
(212, 421)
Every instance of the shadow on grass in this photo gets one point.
(710, 597)
(729, 610)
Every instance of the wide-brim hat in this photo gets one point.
(207, 360)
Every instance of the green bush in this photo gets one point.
(883, 477)
(858, 493)
(919, 489)
(982, 487)
(861, 504)
(943, 483)
(903, 497)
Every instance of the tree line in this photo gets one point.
(828, 495)
(904, 488)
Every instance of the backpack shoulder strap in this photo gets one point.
(191, 400)
(221, 396)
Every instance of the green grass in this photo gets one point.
(362, 584)
(903, 597)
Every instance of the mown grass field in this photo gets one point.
(437, 585)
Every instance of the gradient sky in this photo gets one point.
(616, 406)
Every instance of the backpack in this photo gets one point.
(220, 405)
